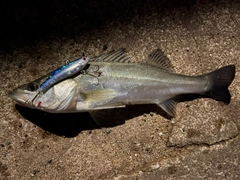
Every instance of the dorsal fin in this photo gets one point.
(113, 56)
(159, 59)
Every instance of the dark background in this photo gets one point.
(25, 23)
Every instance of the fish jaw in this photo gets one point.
(22, 96)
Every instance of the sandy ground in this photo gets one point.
(201, 142)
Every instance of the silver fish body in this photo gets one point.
(113, 81)
(127, 84)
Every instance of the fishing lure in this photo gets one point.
(63, 72)
(59, 74)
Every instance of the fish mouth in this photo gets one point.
(19, 99)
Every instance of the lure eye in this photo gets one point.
(84, 58)
(32, 86)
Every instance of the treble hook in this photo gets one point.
(95, 77)
(96, 71)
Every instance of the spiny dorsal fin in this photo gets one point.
(169, 106)
(113, 56)
(159, 59)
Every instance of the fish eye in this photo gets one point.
(32, 86)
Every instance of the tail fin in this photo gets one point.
(220, 80)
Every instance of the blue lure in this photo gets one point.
(63, 72)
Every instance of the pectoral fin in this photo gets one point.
(169, 106)
(102, 95)
(97, 100)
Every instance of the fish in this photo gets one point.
(113, 80)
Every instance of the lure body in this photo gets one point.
(64, 72)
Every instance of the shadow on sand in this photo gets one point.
(71, 124)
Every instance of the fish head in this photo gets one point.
(62, 97)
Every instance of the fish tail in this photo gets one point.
(220, 80)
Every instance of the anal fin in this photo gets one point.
(169, 106)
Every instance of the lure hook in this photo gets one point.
(93, 75)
